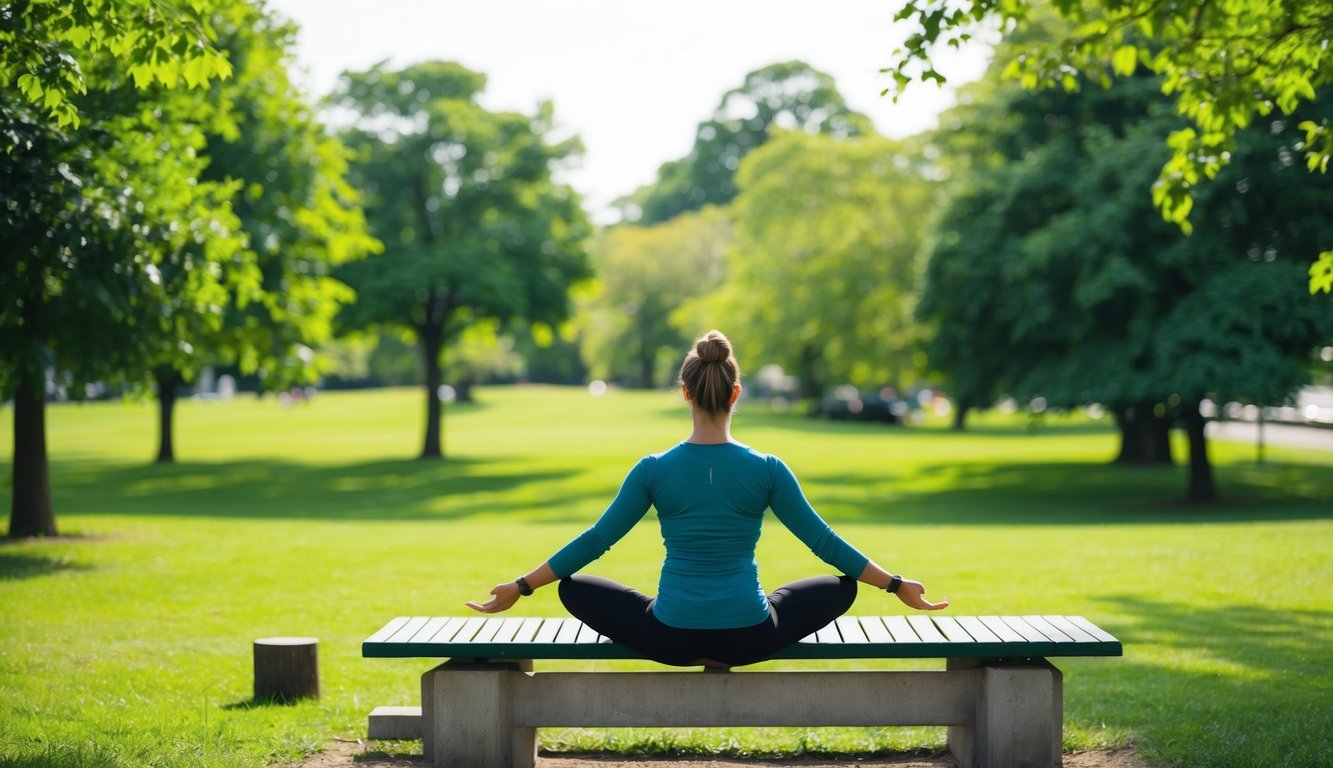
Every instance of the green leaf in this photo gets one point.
(1321, 274)
(30, 86)
(1125, 60)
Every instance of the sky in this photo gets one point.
(632, 78)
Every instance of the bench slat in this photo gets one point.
(448, 631)
(469, 630)
(1025, 630)
(978, 630)
(1092, 629)
(915, 636)
(1003, 630)
(569, 631)
(1069, 628)
(549, 629)
(925, 629)
(1046, 628)
(487, 632)
(527, 631)
(875, 629)
(406, 631)
(388, 630)
(508, 628)
(950, 628)
(851, 630)
(828, 634)
(587, 634)
(902, 631)
(429, 629)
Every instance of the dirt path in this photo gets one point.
(344, 753)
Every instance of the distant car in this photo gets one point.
(847, 404)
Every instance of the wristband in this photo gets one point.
(894, 583)
(523, 588)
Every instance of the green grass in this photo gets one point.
(127, 642)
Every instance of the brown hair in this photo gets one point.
(710, 373)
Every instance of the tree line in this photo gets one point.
(173, 202)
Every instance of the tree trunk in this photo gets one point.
(30, 512)
(646, 369)
(430, 341)
(960, 415)
(810, 385)
(463, 388)
(1145, 437)
(168, 380)
(1201, 488)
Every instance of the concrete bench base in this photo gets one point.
(485, 715)
(395, 723)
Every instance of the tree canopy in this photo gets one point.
(1050, 277)
(297, 213)
(115, 238)
(47, 49)
(823, 262)
(789, 95)
(1226, 64)
(645, 275)
(474, 227)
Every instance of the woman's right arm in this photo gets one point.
(505, 595)
(794, 510)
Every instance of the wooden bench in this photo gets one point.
(1000, 697)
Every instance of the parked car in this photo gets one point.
(848, 404)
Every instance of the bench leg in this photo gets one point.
(1019, 717)
(467, 717)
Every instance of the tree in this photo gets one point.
(790, 95)
(646, 273)
(473, 226)
(112, 233)
(1050, 277)
(299, 216)
(46, 47)
(823, 263)
(1227, 65)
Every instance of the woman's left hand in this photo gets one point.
(503, 598)
(910, 592)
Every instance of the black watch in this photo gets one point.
(894, 583)
(525, 590)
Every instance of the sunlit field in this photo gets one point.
(126, 642)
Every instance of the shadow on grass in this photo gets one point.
(796, 420)
(268, 701)
(979, 493)
(25, 565)
(377, 490)
(1072, 494)
(1234, 685)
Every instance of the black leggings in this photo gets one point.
(626, 616)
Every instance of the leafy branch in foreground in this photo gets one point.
(1226, 64)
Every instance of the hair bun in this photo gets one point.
(713, 347)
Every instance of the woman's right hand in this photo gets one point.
(503, 598)
(910, 592)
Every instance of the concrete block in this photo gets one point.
(395, 723)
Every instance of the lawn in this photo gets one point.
(127, 641)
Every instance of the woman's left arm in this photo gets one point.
(629, 506)
(909, 591)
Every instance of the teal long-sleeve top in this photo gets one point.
(710, 501)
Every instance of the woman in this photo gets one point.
(710, 493)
